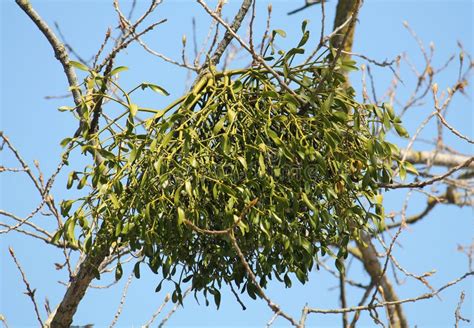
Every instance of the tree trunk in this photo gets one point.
(346, 8)
(88, 270)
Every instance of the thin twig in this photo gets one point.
(59, 48)
(158, 311)
(102, 46)
(342, 289)
(230, 33)
(122, 300)
(246, 47)
(267, 29)
(457, 314)
(383, 304)
(173, 310)
(68, 46)
(430, 181)
(275, 307)
(29, 292)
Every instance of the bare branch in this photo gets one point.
(88, 270)
(102, 46)
(29, 292)
(59, 48)
(247, 47)
(158, 311)
(275, 307)
(342, 296)
(457, 314)
(383, 304)
(68, 46)
(308, 4)
(173, 310)
(373, 267)
(122, 300)
(451, 128)
(230, 33)
(438, 159)
(121, 46)
(430, 181)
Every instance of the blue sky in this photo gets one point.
(29, 72)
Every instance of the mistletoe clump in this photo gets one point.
(286, 160)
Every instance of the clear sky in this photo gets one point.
(29, 72)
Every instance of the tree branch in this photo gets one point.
(434, 158)
(430, 181)
(29, 292)
(373, 267)
(398, 302)
(58, 47)
(343, 42)
(88, 270)
(244, 8)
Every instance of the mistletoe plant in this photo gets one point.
(284, 162)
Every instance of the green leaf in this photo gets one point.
(118, 272)
(57, 236)
(403, 172)
(65, 207)
(188, 188)
(133, 109)
(261, 163)
(251, 290)
(294, 52)
(237, 86)
(301, 276)
(217, 298)
(158, 288)
(181, 216)
(158, 112)
(303, 25)
(66, 108)
(410, 168)
(155, 88)
(115, 202)
(287, 281)
(79, 65)
(82, 182)
(274, 136)
(304, 39)
(218, 127)
(88, 243)
(279, 32)
(389, 110)
(327, 103)
(136, 270)
(65, 142)
(70, 180)
(231, 115)
(340, 265)
(69, 228)
(341, 116)
(133, 155)
(243, 162)
(118, 70)
(308, 202)
(401, 131)
(174, 297)
(307, 246)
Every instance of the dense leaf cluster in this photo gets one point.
(293, 173)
